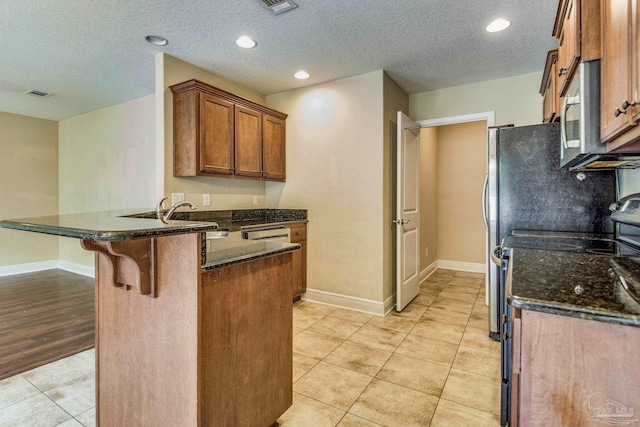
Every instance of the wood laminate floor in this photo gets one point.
(44, 316)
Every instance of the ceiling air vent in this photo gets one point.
(279, 6)
(38, 93)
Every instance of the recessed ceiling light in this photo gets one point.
(498, 25)
(157, 40)
(246, 42)
(301, 75)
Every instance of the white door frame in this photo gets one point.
(490, 118)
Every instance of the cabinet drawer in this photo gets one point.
(298, 233)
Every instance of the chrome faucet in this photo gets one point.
(166, 217)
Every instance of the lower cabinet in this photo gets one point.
(573, 372)
(299, 236)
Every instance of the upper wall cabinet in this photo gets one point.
(216, 133)
(577, 28)
(552, 102)
(620, 104)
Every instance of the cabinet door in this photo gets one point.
(273, 141)
(216, 135)
(569, 47)
(548, 104)
(299, 236)
(635, 58)
(616, 67)
(248, 155)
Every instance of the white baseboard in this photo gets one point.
(32, 267)
(424, 274)
(470, 267)
(389, 304)
(81, 269)
(352, 303)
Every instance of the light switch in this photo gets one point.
(206, 200)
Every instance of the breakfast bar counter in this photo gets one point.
(184, 337)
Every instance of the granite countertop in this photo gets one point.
(241, 219)
(137, 224)
(571, 284)
(107, 225)
(234, 249)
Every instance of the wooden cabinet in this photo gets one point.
(217, 133)
(274, 148)
(563, 367)
(248, 146)
(299, 236)
(215, 126)
(577, 28)
(552, 102)
(620, 94)
(176, 346)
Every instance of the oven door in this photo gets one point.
(506, 326)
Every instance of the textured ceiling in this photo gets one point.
(92, 54)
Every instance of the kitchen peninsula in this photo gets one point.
(179, 340)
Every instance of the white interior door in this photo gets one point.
(407, 212)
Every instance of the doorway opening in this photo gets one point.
(452, 167)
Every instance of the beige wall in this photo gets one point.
(395, 99)
(462, 166)
(335, 169)
(428, 196)
(28, 185)
(106, 162)
(515, 100)
(226, 193)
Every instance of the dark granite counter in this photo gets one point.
(234, 249)
(107, 226)
(572, 284)
(139, 224)
(240, 219)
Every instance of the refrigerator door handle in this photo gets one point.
(485, 187)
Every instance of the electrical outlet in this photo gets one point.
(255, 201)
(206, 200)
(177, 197)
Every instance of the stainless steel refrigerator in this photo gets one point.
(526, 189)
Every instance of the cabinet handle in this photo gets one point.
(619, 111)
(562, 71)
(625, 104)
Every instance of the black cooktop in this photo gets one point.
(570, 244)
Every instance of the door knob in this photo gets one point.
(401, 221)
(562, 71)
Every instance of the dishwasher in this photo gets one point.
(278, 233)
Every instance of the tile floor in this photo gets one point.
(433, 364)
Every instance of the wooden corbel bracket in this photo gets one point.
(132, 262)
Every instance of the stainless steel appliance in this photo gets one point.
(278, 233)
(580, 148)
(624, 253)
(580, 115)
(527, 189)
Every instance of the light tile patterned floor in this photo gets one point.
(433, 364)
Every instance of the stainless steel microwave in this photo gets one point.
(580, 117)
